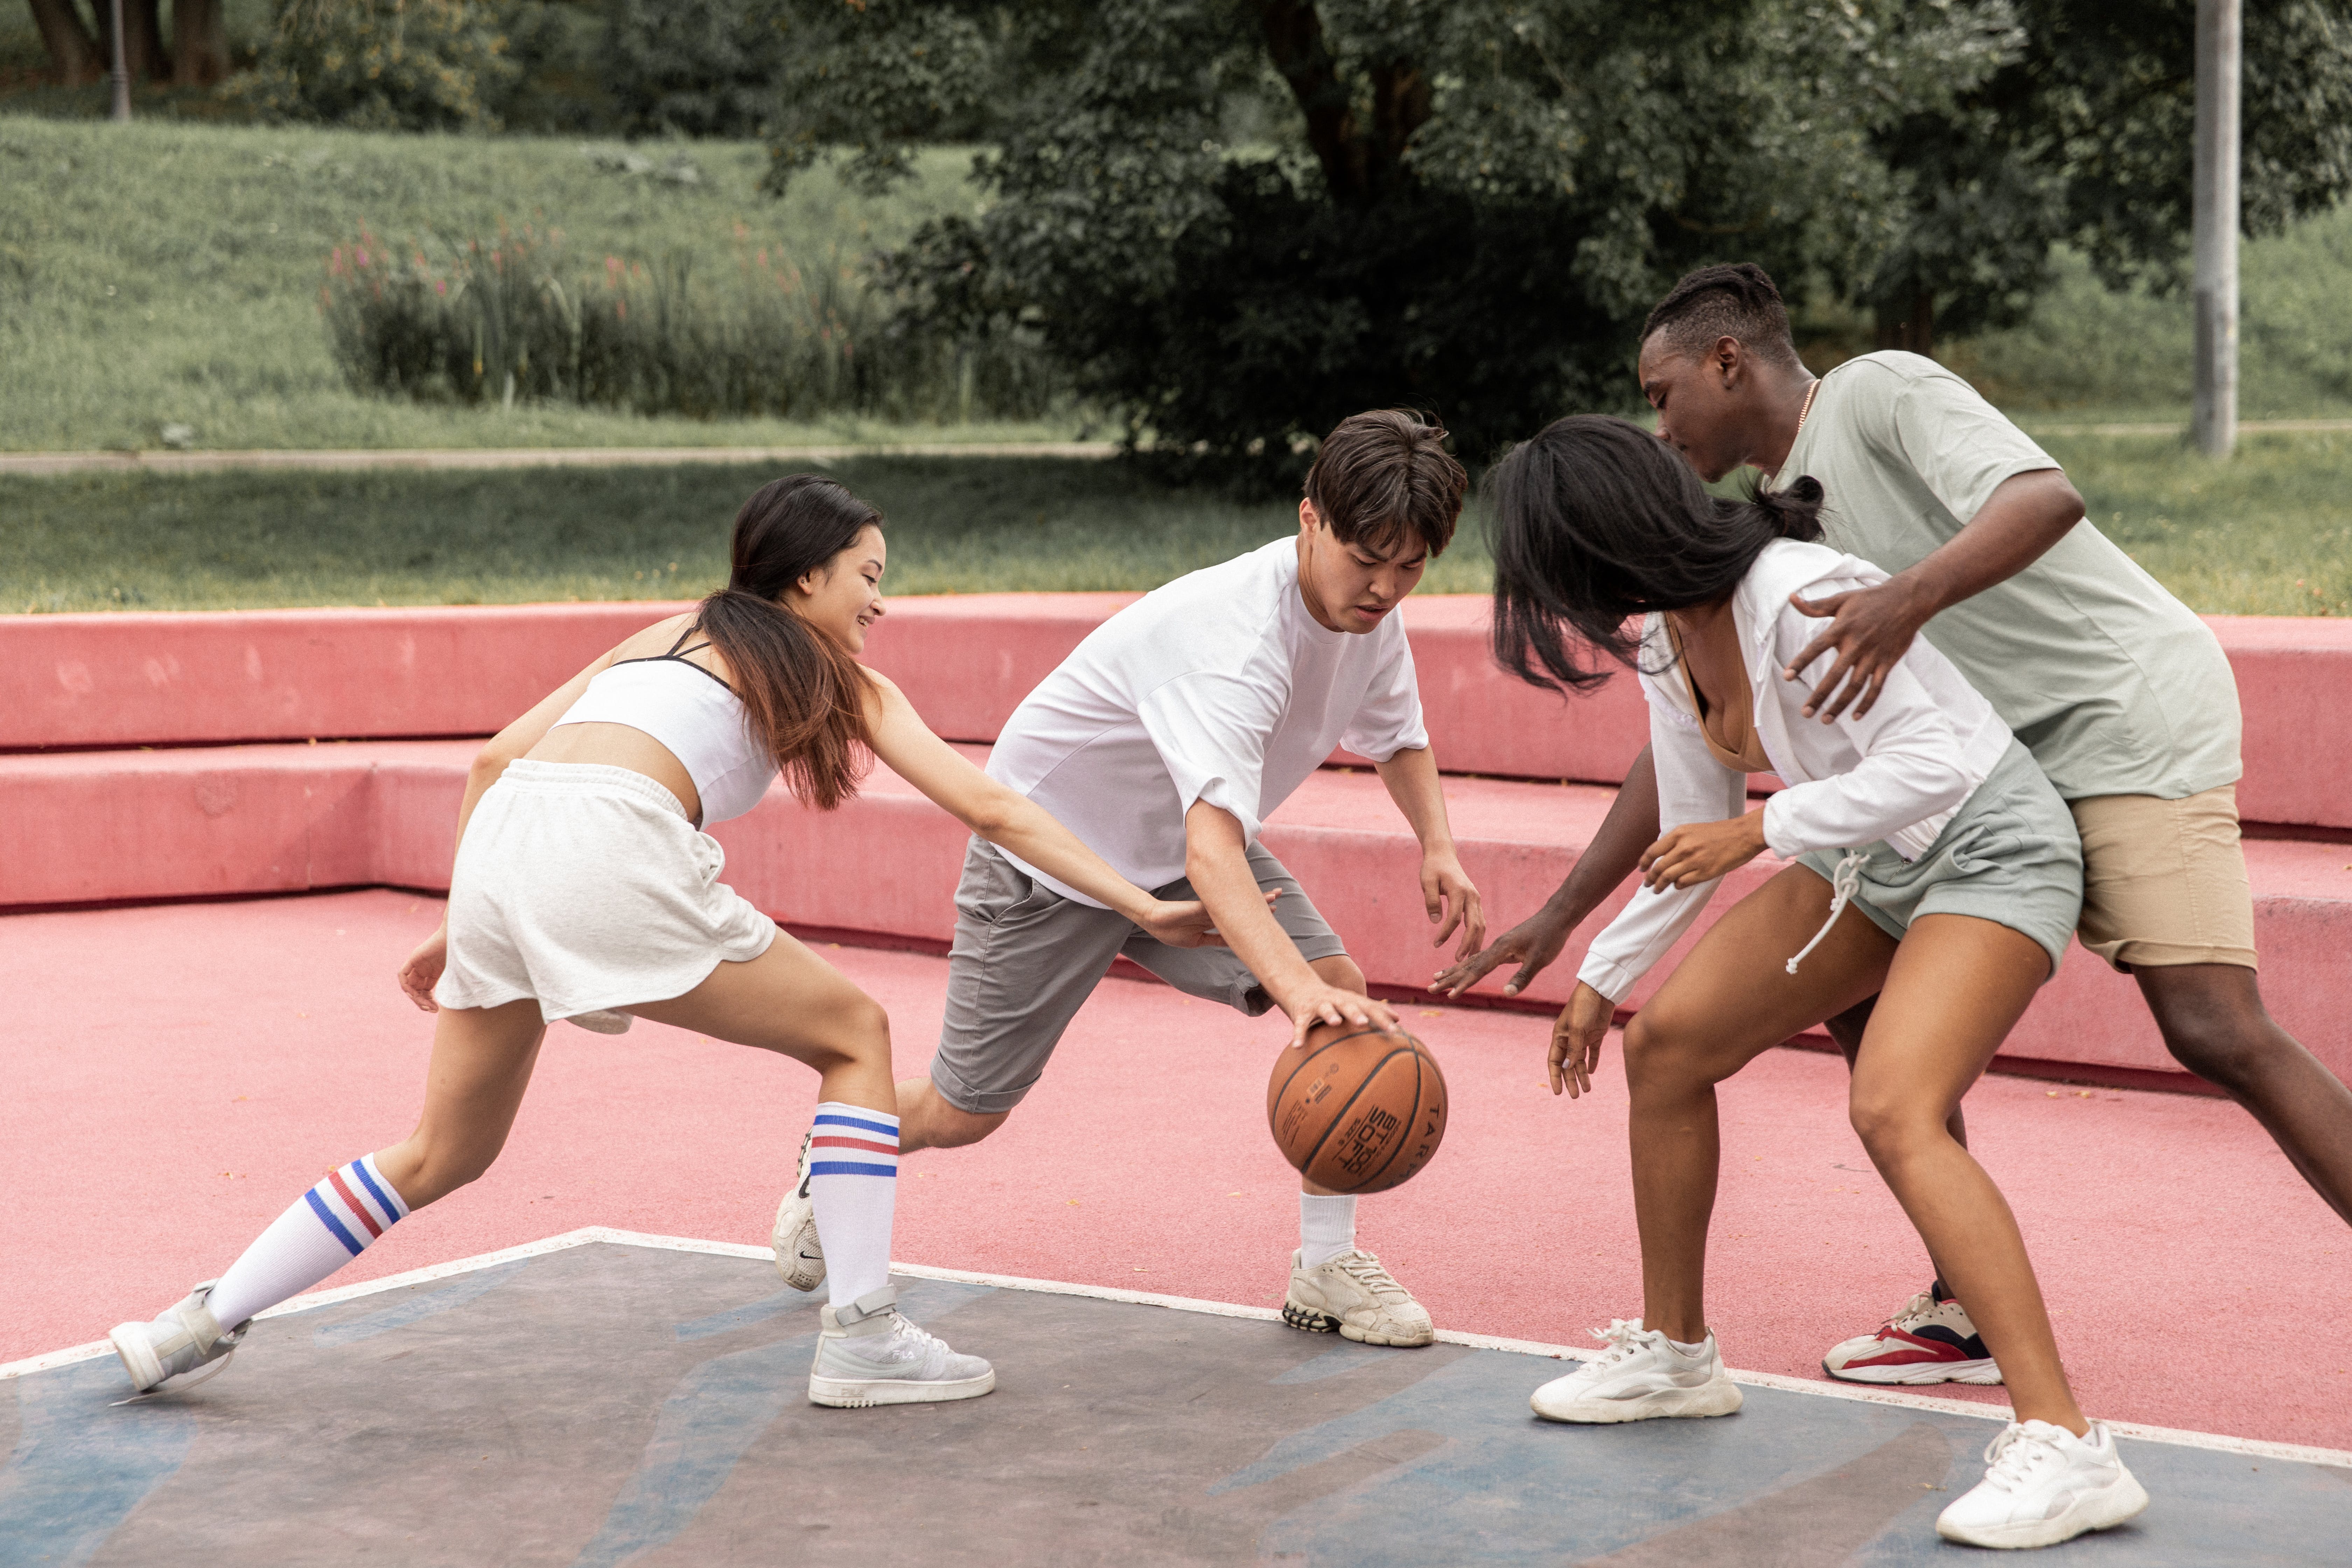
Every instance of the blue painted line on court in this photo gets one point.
(712, 1418)
(417, 1309)
(760, 1312)
(80, 1466)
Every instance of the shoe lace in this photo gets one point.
(1920, 1305)
(1368, 1271)
(2015, 1456)
(1621, 1336)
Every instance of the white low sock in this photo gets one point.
(1698, 1349)
(1327, 1228)
(328, 1227)
(854, 1186)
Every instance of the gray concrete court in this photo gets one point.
(612, 1403)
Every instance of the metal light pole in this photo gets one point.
(2213, 227)
(122, 72)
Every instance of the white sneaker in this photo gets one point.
(800, 1255)
(1639, 1377)
(160, 1356)
(1928, 1341)
(2045, 1486)
(867, 1355)
(1353, 1294)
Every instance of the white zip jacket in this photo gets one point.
(1898, 773)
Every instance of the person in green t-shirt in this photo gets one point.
(2121, 693)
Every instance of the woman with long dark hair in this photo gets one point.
(1932, 864)
(585, 888)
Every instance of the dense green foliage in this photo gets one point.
(384, 65)
(2270, 534)
(2085, 137)
(1467, 207)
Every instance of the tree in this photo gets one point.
(2084, 138)
(81, 53)
(408, 65)
(1463, 206)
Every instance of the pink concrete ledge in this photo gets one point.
(965, 662)
(103, 827)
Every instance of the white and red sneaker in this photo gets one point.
(1928, 1341)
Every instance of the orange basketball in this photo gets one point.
(1357, 1109)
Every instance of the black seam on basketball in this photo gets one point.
(1318, 1051)
(1339, 1115)
(1412, 1124)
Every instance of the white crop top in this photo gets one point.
(693, 712)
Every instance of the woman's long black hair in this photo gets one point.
(803, 692)
(1595, 521)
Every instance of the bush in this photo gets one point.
(389, 65)
(508, 321)
(693, 67)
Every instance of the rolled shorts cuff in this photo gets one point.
(2134, 954)
(973, 1101)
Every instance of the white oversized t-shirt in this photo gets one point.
(1219, 687)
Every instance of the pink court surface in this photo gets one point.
(179, 1072)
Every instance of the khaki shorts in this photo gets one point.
(2164, 882)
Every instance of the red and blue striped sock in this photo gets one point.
(328, 1227)
(854, 1185)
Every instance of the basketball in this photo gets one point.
(1357, 1109)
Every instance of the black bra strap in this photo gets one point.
(691, 627)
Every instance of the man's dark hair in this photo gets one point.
(1735, 301)
(1595, 521)
(1383, 476)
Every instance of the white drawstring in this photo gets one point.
(1842, 887)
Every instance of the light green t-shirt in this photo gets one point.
(2114, 684)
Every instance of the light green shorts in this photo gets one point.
(2010, 854)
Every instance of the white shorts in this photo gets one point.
(586, 888)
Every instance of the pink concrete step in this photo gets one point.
(96, 826)
(130, 679)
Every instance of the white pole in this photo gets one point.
(2213, 227)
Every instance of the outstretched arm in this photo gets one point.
(1631, 826)
(1012, 821)
(1447, 893)
(1870, 629)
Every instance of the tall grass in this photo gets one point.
(516, 317)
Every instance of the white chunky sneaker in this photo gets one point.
(160, 1356)
(2045, 1486)
(800, 1255)
(1928, 1341)
(867, 1355)
(1641, 1376)
(1353, 1294)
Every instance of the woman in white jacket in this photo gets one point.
(1931, 864)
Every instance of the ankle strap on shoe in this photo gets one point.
(873, 1304)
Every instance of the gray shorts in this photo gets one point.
(1026, 959)
(2010, 854)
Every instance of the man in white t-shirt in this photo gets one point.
(1164, 741)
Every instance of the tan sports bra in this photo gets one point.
(1737, 746)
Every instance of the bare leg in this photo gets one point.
(1846, 1029)
(1956, 987)
(2215, 1024)
(1729, 1000)
(482, 1058)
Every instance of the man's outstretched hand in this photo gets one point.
(1319, 1002)
(1532, 944)
(1870, 630)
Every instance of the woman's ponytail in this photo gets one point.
(1791, 514)
(803, 695)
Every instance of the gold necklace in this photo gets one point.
(1803, 410)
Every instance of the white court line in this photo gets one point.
(2255, 1448)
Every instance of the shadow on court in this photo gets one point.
(613, 1403)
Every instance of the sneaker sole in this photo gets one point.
(1981, 1373)
(2111, 1505)
(1717, 1398)
(858, 1393)
(1317, 1323)
(799, 1271)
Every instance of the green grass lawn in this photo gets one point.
(166, 272)
(2267, 533)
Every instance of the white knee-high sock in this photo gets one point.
(328, 1227)
(854, 1186)
(1327, 1228)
